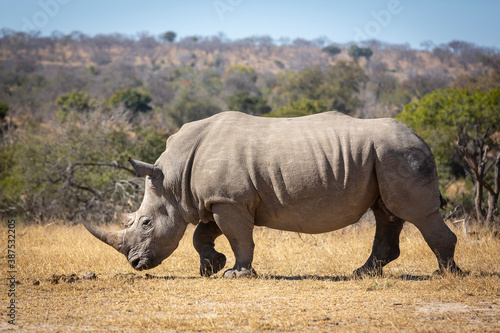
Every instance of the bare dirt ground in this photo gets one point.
(70, 282)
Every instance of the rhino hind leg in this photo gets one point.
(441, 240)
(386, 243)
(204, 237)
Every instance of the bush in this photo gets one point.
(82, 167)
(242, 101)
(300, 108)
(134, 100)
(169, 36)
(94, 70)
(74, 101)
(279, 63)
(461, 125)
(101, 58)
(332, 50)
(337, 86)
(189, 107)
(4, 108)
(238, 77)
(356, 52)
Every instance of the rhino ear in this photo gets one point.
(144, 169)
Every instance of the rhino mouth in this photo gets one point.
(135, 262)
(140, 264)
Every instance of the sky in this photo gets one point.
(391, 21)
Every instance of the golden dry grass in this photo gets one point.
(304, 285)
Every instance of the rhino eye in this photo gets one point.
(147, 223)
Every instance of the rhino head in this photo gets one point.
(153, 232)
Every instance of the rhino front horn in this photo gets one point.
(143, 169)
(112, 238)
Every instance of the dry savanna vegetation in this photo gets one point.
(74, 107)
(70, 281)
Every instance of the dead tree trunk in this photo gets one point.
(493, 195)
(478, 170)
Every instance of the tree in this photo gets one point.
(462, 121)
(75, 101)
(81, 167)
(337, 86)
(300, 108)
(238, 77)
(189, 107)
(491, 60)
(4, 125)
(332, 50)
(94, 70)
(420, 85)
(242, 101)
(356, 52)
(133, 100)
(467, 52)
(307, 83)
(386, 88)
(169, 36)
(4, 108)
(343, 84)
(442, 52)
(482, 83)
(101, 58)
(427, 44)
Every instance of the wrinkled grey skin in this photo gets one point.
(313, 174)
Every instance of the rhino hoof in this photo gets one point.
(239, 273)
(453, 271)
(209, 267)
(368, 272)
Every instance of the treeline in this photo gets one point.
(74, 107)
(39, 69)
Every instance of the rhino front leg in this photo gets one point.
(237, 225)
(386, 244)
(204, 237)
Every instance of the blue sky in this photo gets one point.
(393, 21)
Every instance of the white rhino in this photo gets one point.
(314, 174)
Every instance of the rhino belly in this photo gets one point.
(317, 214)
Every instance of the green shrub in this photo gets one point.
(242, 101)
(81, 167)
(74, 101)
(94, 70)
(300, 108)
(190, 107)
(332, 50)
(4, 108)
(134, 100)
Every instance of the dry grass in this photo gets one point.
(305, 285)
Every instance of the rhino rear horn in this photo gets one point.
(143, 169)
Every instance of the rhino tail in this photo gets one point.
(443, 201)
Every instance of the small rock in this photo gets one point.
(70, 279)
(89, 276)
(36, 282)
(127, 276)
(54, 279)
